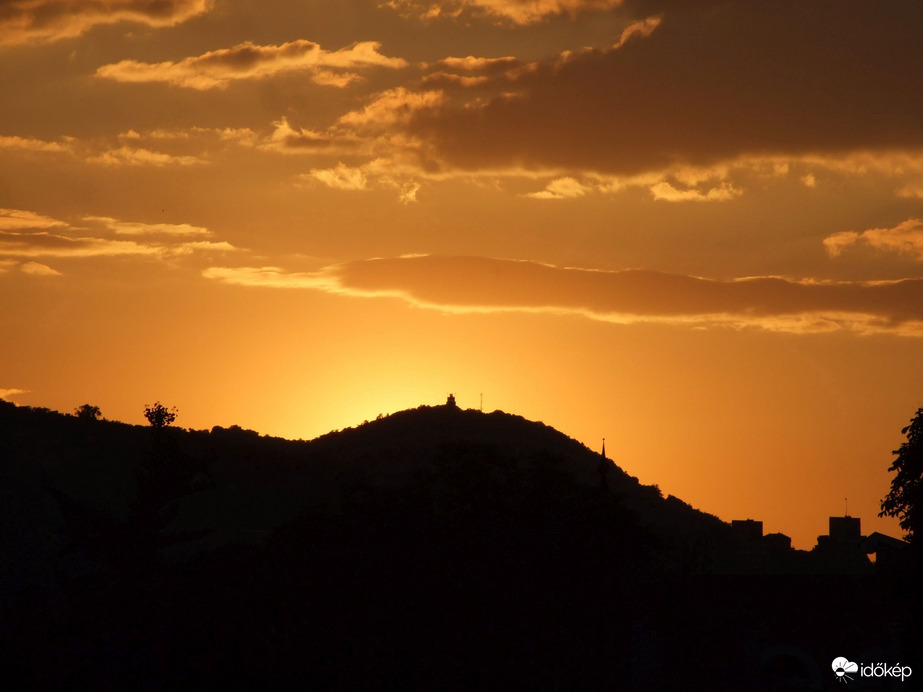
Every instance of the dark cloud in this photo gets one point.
(712, 81)
(479, 284)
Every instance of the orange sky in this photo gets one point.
(692, 228)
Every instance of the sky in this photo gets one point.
(693, 228)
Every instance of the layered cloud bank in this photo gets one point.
(697, 84)
(25, 235)
(40, 21)
(216, 69)
(472, 284)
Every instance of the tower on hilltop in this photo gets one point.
(450, 401)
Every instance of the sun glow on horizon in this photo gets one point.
(295, 222)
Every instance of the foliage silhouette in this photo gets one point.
(88, 412)
(159, 416)
(905, 500)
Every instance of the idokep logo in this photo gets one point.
(846, 670)
(842, 667)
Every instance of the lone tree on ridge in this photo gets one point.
(159, 416)
(88, 412)
(905, 501)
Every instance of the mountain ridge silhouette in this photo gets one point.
(434, 548)
(271, 479)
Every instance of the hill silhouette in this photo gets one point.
(256, 483)
(435, 548)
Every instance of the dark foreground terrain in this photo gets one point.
(435, 549)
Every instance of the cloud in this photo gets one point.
(666, 192)
(52, 245)
(38, 269)
(25, 234)
(378, 173)
(40, 21)
(16, 143)
(697, 85)
(913, 190)
(287, 139)
(641, 29)
(483, 285)
(33, 268)
(561, 188)
(129, 156)
(392, 107)
(18, 219)
(340, 178)
(133, 228)
(474, 64)
(477, 72)
(208, 136)
(218, 68)
(184, 146)
(10, 393)
(49, 245)
(272, 277)
(905, 238)
(516, 11)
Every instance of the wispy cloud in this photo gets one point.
(10, 393)
(905, 238)
(38, 269)
(17, 219)
(40, 21)
(472, 63)
(53, 245)
(395, 106)
(30, 268)
(666, 192)
(26, 235)
(130, 156)
(342, 177)
(274, 277)
(16, 143)
(515, 11)
(483, 285)
(134, 228)
(290, 140)
(205, 136)
(561, 188)
(218, 68)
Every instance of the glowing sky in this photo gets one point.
(694, 228)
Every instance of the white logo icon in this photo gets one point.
(842, 666)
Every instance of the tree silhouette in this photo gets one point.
(88, 412)
(159, 416)
(905, 501)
